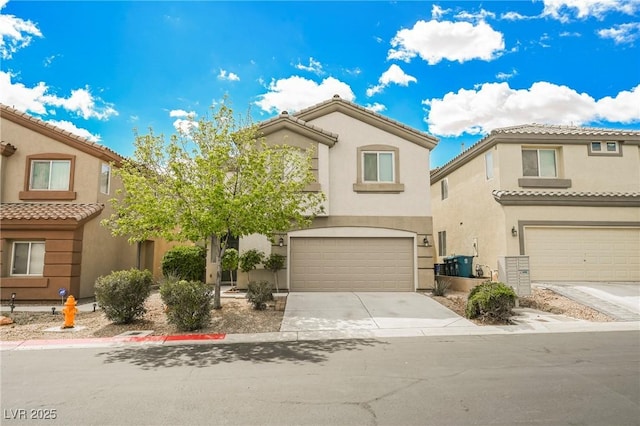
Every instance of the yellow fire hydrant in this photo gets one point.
(69, 312)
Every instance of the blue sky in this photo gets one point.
(453, 69)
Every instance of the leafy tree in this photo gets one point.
(215, 179)
(249, 260)
(230, 261)
(274, 263)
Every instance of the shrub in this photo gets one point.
(250, 259)
(121, 294)
(188, 303)
(185, 262)
(274, 263)
(491, 301)
(259, 293)
(440, 287)
(230, 261)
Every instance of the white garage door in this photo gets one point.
(351, 264)
(583, 254)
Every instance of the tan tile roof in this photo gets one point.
(23, 118)
(268, 125)
(550, 129)
(48, 211)
(521, 193)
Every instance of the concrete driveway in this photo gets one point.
(308, 311)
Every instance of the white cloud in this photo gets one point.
(437, 12)
(477, 16)
(314, 66)
(49, 60)
(185, 121)
(15, 33)
(295, 93)
(375, 107)
(434, 41)
(229, 76)
(71, 128)
(623, 33)
(394, 75)
(505, 75)
(181, 113)
(37, 99)
(495, 105)
(563, 10)
(515, 16)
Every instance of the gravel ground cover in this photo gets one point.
(238, 316)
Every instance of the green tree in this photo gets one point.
(274, 263)
(230, 261)
(218, 178)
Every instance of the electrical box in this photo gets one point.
(514, 271)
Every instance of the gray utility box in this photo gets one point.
(514, 271)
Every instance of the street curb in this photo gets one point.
(293, 336)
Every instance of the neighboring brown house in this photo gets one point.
(55, 188)
(566, 196)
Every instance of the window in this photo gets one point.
(612, 147)
(50, 175)
(444, 188)
(378, 167)
(488, 165)
(105, 178)
(442, 243)
(602, 148)
(27, 258)
(539, 162)
(596, 146)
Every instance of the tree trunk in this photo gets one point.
(216, 292)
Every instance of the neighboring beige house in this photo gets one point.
(567, 197)
(55, 188)
(374, 172)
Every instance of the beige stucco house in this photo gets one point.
(374, 172)
(55, 188)
(567, 197)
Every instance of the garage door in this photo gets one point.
(351, 264)
(583, 254)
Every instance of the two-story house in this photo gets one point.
(376, 230)
(55, 188)
(568, 197)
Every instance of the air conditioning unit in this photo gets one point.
(514, 271)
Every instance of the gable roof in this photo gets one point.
(25, 120)
(538, 133)
(297, 125)
(14, 215)
(367, 116)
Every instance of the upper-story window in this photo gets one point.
(604, 148)
(49, 177)
(444, 189)
(488, 164)
(105, 178)
(378, 169)
(27, 258)
(539, 162)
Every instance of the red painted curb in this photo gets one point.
(181, 337)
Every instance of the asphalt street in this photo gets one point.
(543, 379)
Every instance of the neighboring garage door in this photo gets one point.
(583, 254)
(351, 264)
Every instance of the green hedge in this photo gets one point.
(259, 293)
(121, 294)
(185, 263)
(188, 303)
(491, 301)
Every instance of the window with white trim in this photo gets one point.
(539, 162)
(488, 165)
(105, 178)
(378, 166)
(50, 175)
(604, 148)
(444, 189)
(27, 258)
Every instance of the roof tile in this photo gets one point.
(48, 211)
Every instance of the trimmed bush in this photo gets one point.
(121, 294)
(185, 262)
(491, 301)
(440, 287)
(259, 293)
(275, 262)
(188, 303)
(250, 259)
(230, 261)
